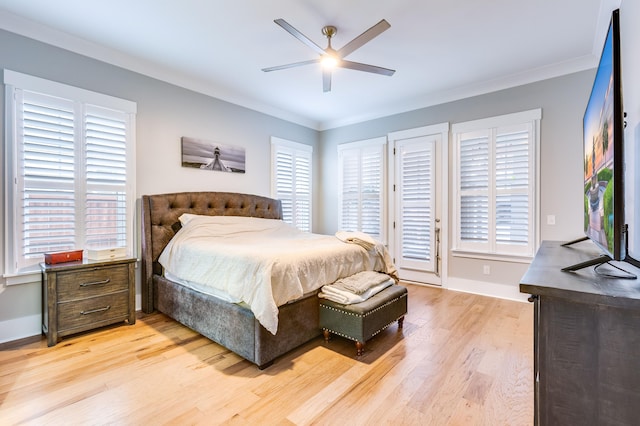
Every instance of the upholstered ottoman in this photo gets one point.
(361, 321)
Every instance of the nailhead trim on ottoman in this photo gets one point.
(361, 321)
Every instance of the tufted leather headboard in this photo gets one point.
(160, 222)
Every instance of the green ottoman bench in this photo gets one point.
(361, 321)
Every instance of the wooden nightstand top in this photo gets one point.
(85, 263)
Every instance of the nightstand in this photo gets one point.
(83, 295)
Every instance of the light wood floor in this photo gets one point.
(461, 359)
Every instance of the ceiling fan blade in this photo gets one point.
(364, 67)
(363, 38)
(297, 34)
(295, 64)
(326, 80)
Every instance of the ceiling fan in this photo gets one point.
(330, 57)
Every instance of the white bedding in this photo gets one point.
(262, 262)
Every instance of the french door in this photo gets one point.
(417, 238)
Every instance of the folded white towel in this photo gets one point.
(360, 282)
(344, 297)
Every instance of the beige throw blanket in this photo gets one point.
(373, 246)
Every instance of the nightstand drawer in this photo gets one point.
(92, 282)
(93, 311)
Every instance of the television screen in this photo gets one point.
(603, 165)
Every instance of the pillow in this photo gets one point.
(224, 225)
(186, 218)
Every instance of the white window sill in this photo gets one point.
(27, 277)
(501, 257)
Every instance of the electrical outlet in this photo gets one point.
(486, 269)
(551, 219)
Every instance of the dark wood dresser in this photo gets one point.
(586, 339)
(83, 295)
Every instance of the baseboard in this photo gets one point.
(19, 328)
(501, 291)
(23, 327)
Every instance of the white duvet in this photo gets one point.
(262, 262)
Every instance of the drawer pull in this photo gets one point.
(93, 311)
(95, 283)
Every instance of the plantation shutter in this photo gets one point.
(496, 184)
(512, 183)
(106, 178)
(350, 194)
(417, 201)
(361, 181)
(302, 196)
(71, 170)
(474, 187)
(47, 175)
(284, 183)
(292, 181)
(415, 198)
(371, 175)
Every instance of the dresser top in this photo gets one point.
(546, 278)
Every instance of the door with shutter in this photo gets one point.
(418, 199)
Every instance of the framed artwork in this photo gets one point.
(209, 155)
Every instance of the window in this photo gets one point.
(291, 181)
(71, 167)
(362, 182)
(495, 184)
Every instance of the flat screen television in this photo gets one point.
(603, 157)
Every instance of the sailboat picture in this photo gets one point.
(209, 155)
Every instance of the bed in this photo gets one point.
(233, 325)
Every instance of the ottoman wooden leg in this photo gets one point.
(359, 348)
(327, 335)
(400, 322)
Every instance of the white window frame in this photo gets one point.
(491, 249)
(16, 266)
(301, 198)
(358, 150)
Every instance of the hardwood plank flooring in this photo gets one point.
(461, 359)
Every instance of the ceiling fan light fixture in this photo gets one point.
(329, 61)
(329, 58)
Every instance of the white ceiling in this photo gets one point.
(441, 50)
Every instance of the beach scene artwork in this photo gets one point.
(210, 155)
